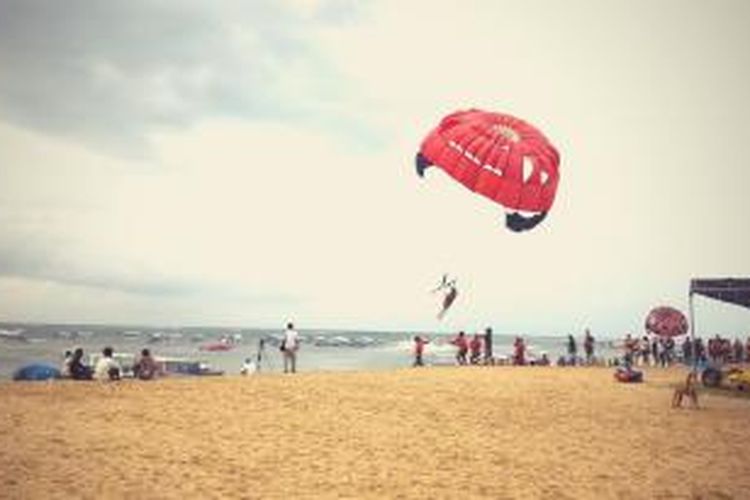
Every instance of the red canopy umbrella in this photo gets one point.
(666, 321)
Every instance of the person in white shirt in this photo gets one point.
(248, 367)
(65, 370)
(106, 367)
(290, 346)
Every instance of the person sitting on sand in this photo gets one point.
(146, 367)
(544, 360)
(107, 368)
(79, 370)
(65, 368)
(248, 367)
(419, 344)
(463, 347)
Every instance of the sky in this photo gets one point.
(251, 163)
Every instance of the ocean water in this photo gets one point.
(321, 350)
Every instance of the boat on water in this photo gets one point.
(225, 343)
(16, 335)
(185, 366)
(217, 347)
(155, 337)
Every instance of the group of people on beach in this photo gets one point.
(106, 367)
(477, 350)
(664, 351)
(636, 351)
(289, 347)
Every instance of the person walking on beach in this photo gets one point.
(463, 347)
(290, 346)
(419, 344)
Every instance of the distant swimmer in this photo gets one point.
(451, 292)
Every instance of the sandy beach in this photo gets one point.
(445, 432)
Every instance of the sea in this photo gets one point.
(321, 350)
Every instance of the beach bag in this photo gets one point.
(282, 347)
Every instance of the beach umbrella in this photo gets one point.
(36, 371)
(666, 321)
(498, 156)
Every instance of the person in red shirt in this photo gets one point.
(463, 347)
(475, 346)
(419, 344)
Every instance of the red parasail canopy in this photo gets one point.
(498, 156)
(666, 321)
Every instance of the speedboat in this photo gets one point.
(217, 347)
(185, 366)
(13, 335)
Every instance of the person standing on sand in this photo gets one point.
(519, 352)
(475, 346)
(572, 350)
(290, 346)
(488, 346)
(588, 347)
(419, 344)
(463, 347)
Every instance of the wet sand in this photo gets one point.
(443, 432)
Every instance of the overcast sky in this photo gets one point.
(248, 163)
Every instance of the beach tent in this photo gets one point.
(36, 372)
(733, 290)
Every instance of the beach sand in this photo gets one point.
(448, 432)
